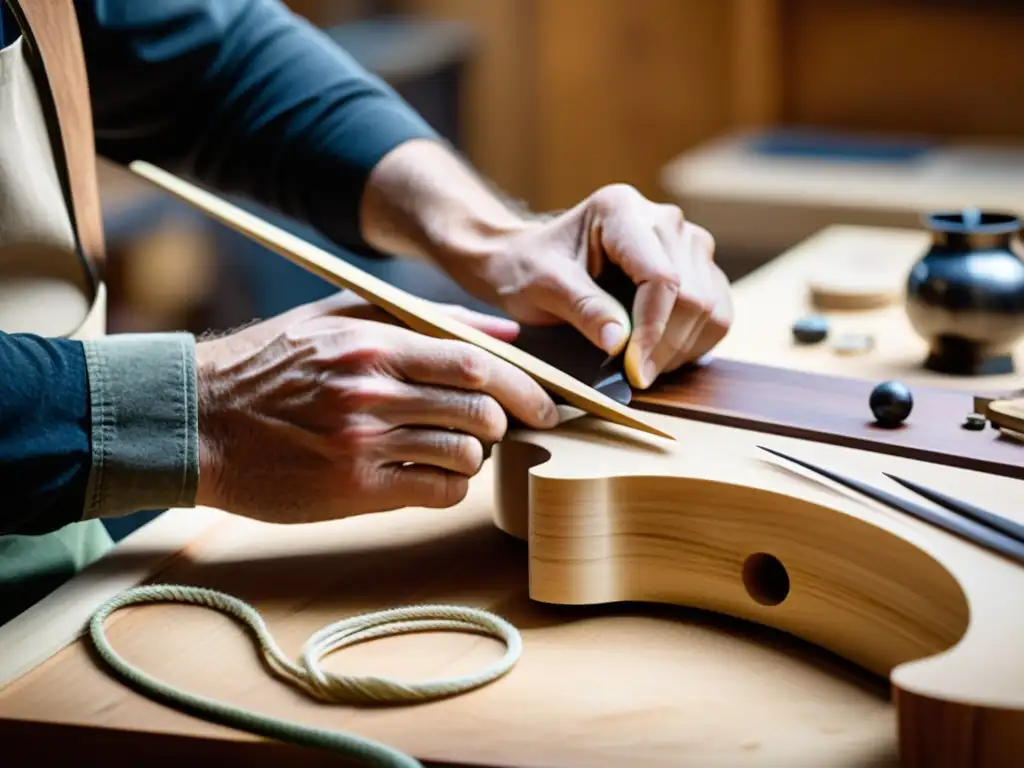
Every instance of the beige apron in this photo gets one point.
(46, 287)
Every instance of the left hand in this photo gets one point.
(330, 410)
(543, 273)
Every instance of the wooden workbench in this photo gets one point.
(611, 686)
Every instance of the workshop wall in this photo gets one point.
(565, 95)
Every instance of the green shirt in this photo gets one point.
(33, 566)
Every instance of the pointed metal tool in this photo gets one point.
(1011, 528)
(565, 348)
(975, 532)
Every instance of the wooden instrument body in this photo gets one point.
(608, 685)
(714, 523)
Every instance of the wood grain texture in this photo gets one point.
(908, 66)
(710, 522)
(415, 312)
(578, 697)
(834, 410)
(757, 46)
(708, 689)
(49, 626)
(621, 86)
(566, 95)
(558, 90)
(498, 95)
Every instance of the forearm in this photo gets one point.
(94, 429)
(424, 202)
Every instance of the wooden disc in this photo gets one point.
(848, 289)
(857, 278)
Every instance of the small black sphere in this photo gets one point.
(810, 329)
(891, 403)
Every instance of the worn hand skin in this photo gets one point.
(421, 200)
(333, 410)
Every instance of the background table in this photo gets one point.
(769, 299)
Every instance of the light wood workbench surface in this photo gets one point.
(636, 686)
(605, 687)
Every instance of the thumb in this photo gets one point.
(575, 298)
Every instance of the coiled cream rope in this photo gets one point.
(310, 676)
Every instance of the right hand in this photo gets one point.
(323, 413)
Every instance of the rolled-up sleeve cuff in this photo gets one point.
(145, 436)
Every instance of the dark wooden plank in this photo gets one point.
(834, 410)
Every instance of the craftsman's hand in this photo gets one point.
(330, 410)
(421, 200)
(544, 273)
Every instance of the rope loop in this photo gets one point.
(309, 675)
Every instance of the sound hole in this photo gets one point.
(766, 579)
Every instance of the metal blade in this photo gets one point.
(616, 387)
(567, 349)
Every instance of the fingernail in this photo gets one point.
(612, 336)
(648, 374)
(550, 415)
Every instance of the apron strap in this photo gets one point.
(50, 30)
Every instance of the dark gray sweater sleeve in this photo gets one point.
(245, 97)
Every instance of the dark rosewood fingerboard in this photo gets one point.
(832, 409)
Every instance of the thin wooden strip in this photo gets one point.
(413, 311)
(60, 618)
